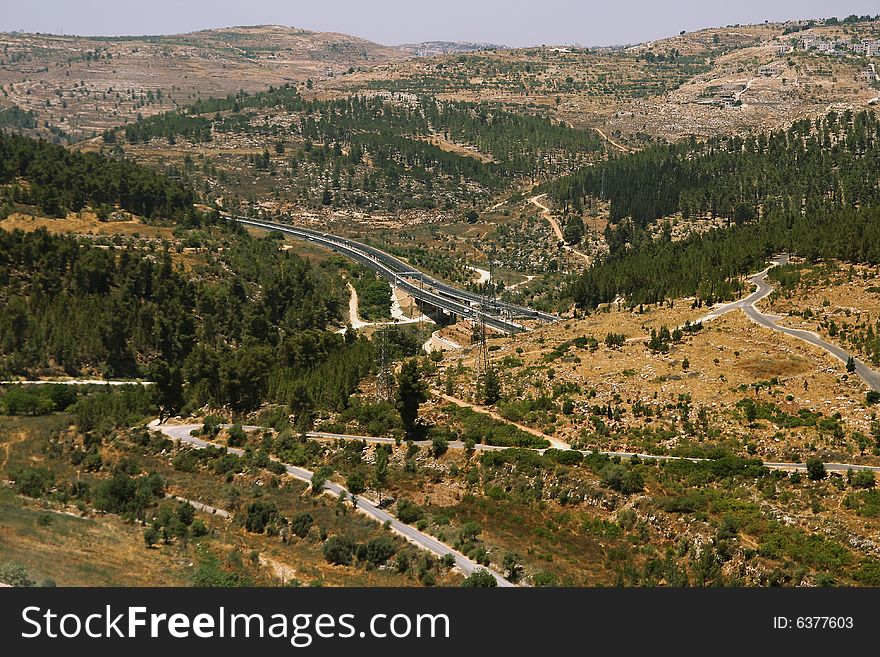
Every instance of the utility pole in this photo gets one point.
(384, 383)
(482, 363)
(492, 277)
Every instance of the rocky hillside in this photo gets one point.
(734, 79)
(69, 87)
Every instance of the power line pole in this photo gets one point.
(491, 281)
(384, 383)
(481, 364)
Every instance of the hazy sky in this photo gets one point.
(509, 22)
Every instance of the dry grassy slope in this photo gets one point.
(607, 83)
(82, 547)
(606, 90)
(802, 85)
(728, 353)
(79, 551)
(846, 295)
(34, 67)
(86, 223)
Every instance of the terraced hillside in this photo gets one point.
(80, 86)
(727, 79)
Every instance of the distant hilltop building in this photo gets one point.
(431, 48)
(769, 70)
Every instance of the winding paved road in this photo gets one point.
(181, 433)
(762, 290)
(497, 314)
(200, 506)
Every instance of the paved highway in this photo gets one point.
(445, 290)
(762, 290)
(498, 315)
(181, 433)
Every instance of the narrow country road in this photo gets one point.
(181, 433)
(199, 506)
(762, 290)
(354, 316)
(554, 442)
(528, 279)
(479, 447)
(545, 212)
(619, 147)
(484, 276)
(397, 316)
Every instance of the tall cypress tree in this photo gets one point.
(411, 392)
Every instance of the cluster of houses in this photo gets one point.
(866, 47)
(863, 47)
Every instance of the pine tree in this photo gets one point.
(491, 386)
(411, 392)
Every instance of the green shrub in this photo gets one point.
(339, 550)
(33, 482)
(237, 436)
(816, 470)
(258, 516)
(379, 550)
(480, 578)
(565, 456)
(409, 512)
(622, 479)
(301, 523)
(26, 400)
(15, 574)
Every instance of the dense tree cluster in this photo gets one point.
(520, 141)
(59, 180)
(375, 152)
(374, 293)
(170, 125)
(412, 391)
(811, 190)
(15, 117)
(251, 327)
(832, 162)
(37, 400)
(708, 266)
